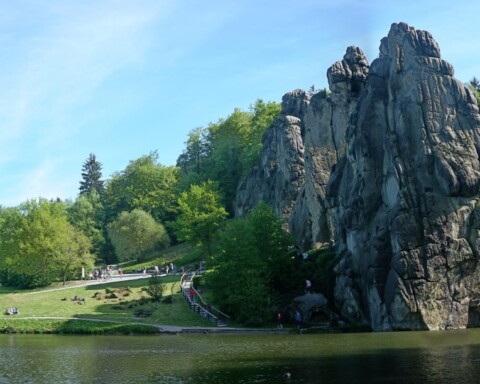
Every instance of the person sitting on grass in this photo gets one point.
(12, 311)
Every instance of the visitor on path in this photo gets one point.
(279, 321)
(308, 286)
(298, 318)
(191, 293)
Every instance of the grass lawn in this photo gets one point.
(99, 304)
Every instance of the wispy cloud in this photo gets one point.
(62, 57)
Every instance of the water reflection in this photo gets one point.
(410, 357)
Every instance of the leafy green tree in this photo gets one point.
(47, 246)
(75, 254)
(200, 215)
(224, 164)
(155, 289)
(134, 234)
(87, 214)
(263, 116)
(11, 220)
(91, 176)
(474, 84)
(193, 157)
(227, 150)
(143, 184)
(249, 266)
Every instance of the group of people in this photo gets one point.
(297, 317)
(167, 270)
(105, 274)
(12, 311)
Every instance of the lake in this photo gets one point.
(394, 357)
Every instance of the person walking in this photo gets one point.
(308, 286)
(191, 293)
(279, 321)
(298, 319)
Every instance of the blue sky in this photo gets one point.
(123, 78)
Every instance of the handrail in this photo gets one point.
(200, 303)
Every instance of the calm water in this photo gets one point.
(409, 357)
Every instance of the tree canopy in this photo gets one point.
(200, 215)
(39, 245)
(225, 151)
(134, 234)
(250, 264)
(144, 184)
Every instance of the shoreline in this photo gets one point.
(72, 325)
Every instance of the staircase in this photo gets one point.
(198, 305)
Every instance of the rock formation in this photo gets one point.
(385, 167)
(405, 200)
(300, 149)
(281, 172)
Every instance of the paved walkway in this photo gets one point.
(113, 279)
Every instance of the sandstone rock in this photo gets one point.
(326, 121)
(299, 150)
(405, 200)
(313, 308)
(386, 167)
(280, 175)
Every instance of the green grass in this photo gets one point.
(48, 303)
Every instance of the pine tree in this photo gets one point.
(91, 176)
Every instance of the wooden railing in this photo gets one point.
(199, 305)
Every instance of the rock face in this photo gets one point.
(405, 200)
(281, 171)
(385, 167)
(300, 149)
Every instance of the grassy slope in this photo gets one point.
(48, 303)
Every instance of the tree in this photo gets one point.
(200, 215)
(193, 156)
(155, 289)
(248, 267)
(475, 83)
(263, 116)
(75, 254)
(91, 176)
(134, 234)
(143, 184)
(87, 214)
(227, 150)
(41, 245)
(11, 220)
(475, 86)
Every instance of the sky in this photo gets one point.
(121, 79)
